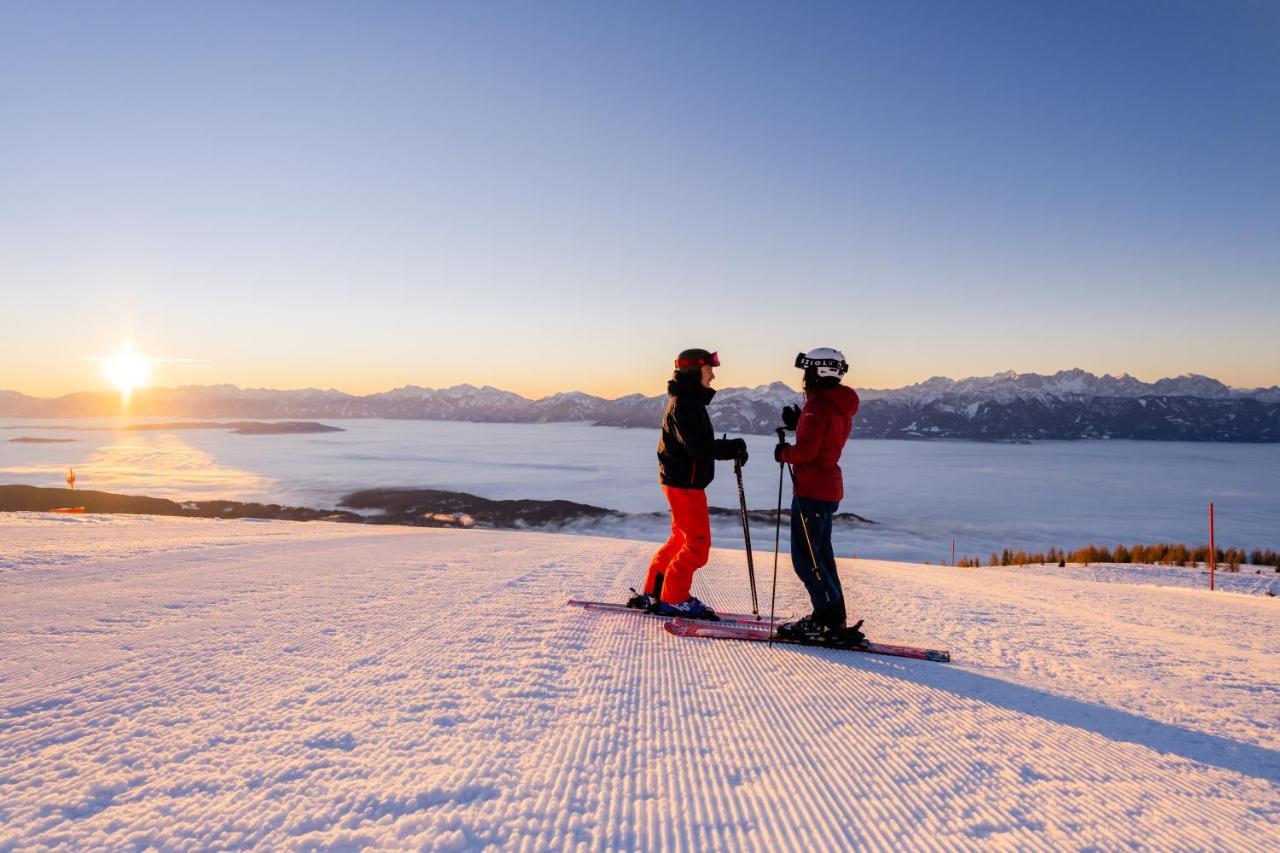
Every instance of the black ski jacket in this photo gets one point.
(688, 448)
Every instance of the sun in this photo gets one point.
(126, 370)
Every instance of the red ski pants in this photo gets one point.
(688, 547)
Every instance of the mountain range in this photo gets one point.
(1070, 404)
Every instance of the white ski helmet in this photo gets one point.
(827, 363)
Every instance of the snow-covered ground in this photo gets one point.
(1250, 580)
(194, 684)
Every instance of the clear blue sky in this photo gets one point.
(544, 196)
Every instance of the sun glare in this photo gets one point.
(126, 370)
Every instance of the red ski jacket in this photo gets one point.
(825, 423)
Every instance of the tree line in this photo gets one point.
(1162, 553)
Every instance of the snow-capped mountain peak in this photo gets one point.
(1009, 405)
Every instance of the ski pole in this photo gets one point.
(777, 538)
(804, 525)
(746, 535)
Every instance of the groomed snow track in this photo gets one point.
(188, 684)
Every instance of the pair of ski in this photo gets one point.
(740, 626)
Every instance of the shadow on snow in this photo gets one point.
(1214, 750)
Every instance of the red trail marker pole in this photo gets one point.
(1213, 550)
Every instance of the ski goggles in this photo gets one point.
(712, 360)
(836, 364)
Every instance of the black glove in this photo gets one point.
(731, 448)
(777, 450)
(791, 417)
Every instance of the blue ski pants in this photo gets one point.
(822, 581)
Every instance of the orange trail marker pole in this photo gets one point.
(1213, 550)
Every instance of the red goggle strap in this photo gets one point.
(713, 361)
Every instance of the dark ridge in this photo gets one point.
(401, 505)
(36, 499)
(412, 507)
(27, 439)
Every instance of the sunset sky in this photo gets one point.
(553, 196)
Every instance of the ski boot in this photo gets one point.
(690, 608)
(640, 601)
(812, 629)
(807, 628)
(851, 636)
(647, 601)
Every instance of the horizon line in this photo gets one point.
(1012, 374)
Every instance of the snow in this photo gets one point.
(195, 684)
(1250, 580)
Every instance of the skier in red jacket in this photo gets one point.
(822, 427)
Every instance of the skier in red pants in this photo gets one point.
(687, 452)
